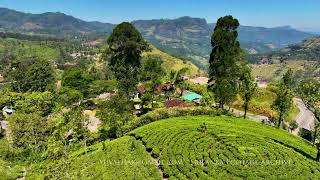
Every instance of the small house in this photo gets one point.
(7, 111)
(192, 97)
(137, 105)
(164, 88)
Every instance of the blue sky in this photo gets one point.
(301, 14)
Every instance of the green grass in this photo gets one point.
(272, 72)
(230, 148)
(171, 63)
(261, 104)
(8, 170)
(28, 49)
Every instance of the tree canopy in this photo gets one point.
(32, 75)
(126, 45)
(224, 60)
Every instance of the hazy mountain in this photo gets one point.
(186, 36)
(48, 23)
(190, 37)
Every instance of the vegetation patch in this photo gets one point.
(204, 147)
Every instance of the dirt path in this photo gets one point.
(305, 118)
(257, 118)
(94, 122)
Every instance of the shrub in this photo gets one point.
(101, 86)
(164, 113)
(67, 96)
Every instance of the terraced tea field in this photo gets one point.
(194, 147)
(226, 148)
(123, 158)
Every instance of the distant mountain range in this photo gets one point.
(48, 23)
(190, 37)
(186, 36)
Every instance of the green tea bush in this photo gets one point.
(223, 147)
(165, 113)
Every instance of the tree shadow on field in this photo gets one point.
(295, 149)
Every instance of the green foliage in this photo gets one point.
(164, 113)
(77, 78)
(151, 70)
(41, 103)
(293, 125)
(309, 90)
(227, 148)
(247, 88)
(123, 158)
(288, 79)
(126, 45)
(28, 132)
(68, 133)
(101, 86)
(283, 102)
(224, 60)
(68, 96)
(32, 75)
(115, 113)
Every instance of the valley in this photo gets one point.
(161, 98)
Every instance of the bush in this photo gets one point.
(164, 113)
(68, 96)
(101, 86)
(76, 78)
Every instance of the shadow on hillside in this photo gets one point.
(295, 149)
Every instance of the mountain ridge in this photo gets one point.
(186, 36)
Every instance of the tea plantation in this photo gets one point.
(227, 148)
(195, 147)
(123, 158)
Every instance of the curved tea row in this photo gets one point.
(224, 147)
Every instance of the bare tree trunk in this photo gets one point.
(318, 155)
(315, 136)
(245, 110)
(280, 120)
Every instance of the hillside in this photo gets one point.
(48, 23)
(309, 49)
(303, 58)
(186, 36)
(201, 147)
(190, 37)
(171, 63)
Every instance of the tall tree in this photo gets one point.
(283, 102)
(116, 113)
(126, 45)
(288, 79)
(32, 75)
(309, 91)
(224, 60)
(176, 77)
(247, 88)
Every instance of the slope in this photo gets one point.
(171, 63)
(48, 23)
(199, 147)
